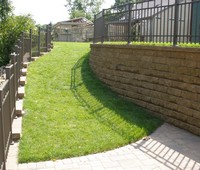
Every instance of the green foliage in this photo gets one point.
(10, 30)
(69, 112)
(77, 14)
(5, 9)
(164, 44)
(190, 45)
(122, 2)
(83, 8)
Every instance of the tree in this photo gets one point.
(83, 8)
(11, 27)
(5, 9)
(121, 2)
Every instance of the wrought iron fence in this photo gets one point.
(175, 21)
(41, 40)
(26, 46)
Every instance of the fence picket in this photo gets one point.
(163, 21)
(9, 88)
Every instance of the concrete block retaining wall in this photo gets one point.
(164, 80)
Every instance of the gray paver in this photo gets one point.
(167, 148)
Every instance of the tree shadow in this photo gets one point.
(83, 77)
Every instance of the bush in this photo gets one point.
(10, 30)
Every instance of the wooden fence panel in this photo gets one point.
(9, 90)
(12, 90)
(5, 118)
(2, 146)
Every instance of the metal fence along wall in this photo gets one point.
(41, 40)
(25, 47)
(175, 21)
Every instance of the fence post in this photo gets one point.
(39, 36)
(176, 11)
(18, 62)
(49, 38)
(46, 37)
(103, 27)
(13, 61)
(22, 48)
(30, 49)
(8, 77)
(129, 23)
(2, 131)
(94, 35)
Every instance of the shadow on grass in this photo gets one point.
(82, 76)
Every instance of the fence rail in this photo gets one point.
(25, 48)
(175, 21)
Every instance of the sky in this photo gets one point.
(46, 11)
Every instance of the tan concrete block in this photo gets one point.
(21, 92)
(19, 107)
(143, 91)
(184, 102)
(162, 67)
(187, 79)
(17, 128)
(150, 53)
(173, 91)
(158, 102)
(147, 85)
(196, 81)
(162, 111)
(195, 114)
(165, 82)
(22, 80)
(125, 51)
(171, 106)
(179, 116)
(193, 129)
(195, 106)
(153, 107)
(189, 95)
(193, 121)
(183, 86)
(24, 71)
(25, 64)
(161, 60)
(185, 110)
(164, 54)
(173, 61)
(188, 63)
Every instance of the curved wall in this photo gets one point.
(164, 80)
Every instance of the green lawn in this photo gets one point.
(69, 112)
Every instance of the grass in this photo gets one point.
(69, 112)
(159, 44)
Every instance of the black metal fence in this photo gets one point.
(23, 51)
(41, 40)
(175, 21)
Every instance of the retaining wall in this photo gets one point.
(164, 80)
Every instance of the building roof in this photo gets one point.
(75, 21)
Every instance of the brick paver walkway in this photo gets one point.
(167, 148)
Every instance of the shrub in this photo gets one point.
(10, 30)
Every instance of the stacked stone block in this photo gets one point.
(164, 80)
